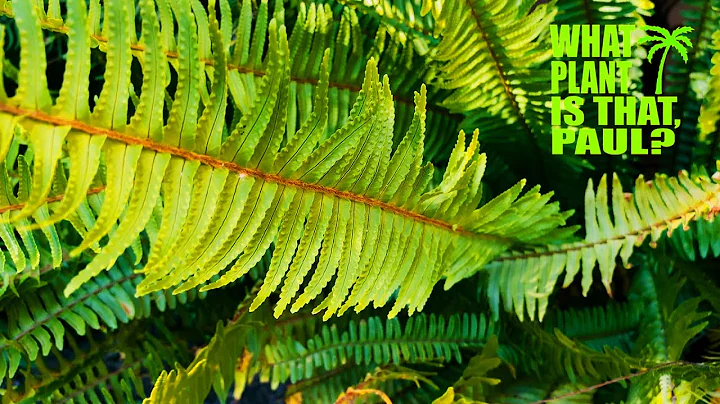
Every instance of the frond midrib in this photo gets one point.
(45, 269)
(508, 91)
(580, 245)
(72, 304)
(102, 379)
(239, 170)
(342, 345)
(54, 198)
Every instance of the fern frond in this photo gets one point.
(422, 338)
(666, 327)
(706, 286)
(699, 241)
(526, 279)
(366, 343)
(36, 321)
(689, 81)
(326, 387)
(710, 110)
(108, 369)
(318, 26)
(564, 358)
(614, 325)
(474, 383)
(404, 20)
(212, 367)
(492, 58)
(254, 186)
(380, 384)
(23, 250)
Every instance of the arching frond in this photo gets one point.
(492, 57)
(36, 322)
(525, 280)
(107, 369)
(226, 200)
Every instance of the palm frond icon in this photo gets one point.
(667, 41)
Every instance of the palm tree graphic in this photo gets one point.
(667, 41)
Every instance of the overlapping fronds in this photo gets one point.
(689, 81)
(106, 369)
(710, 110)
(666, 326)
(212, 367)
(699, 241)
(21, 245)
(152, 151)
(677, 382)
(474, 383)
(570, 360)
(373, 341)
(483, 34)
(666, 329)
(326, 387)
(613, 325)
(401, 43)
(276, 353)
(382, 383)
(317, 27)
(492, 57)
(37, 321)
(227, 199)
(524, 280)
(404, 20)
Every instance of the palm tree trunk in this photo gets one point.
(658, 84)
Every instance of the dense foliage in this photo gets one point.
(251, 200)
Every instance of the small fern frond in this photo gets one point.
(107, 369)
(212, 367)
(36, 321)
(699, 241)
(370, 342)
(666, 327)
(571, 359)
(614, 325)
(526, 279)
(474, 383)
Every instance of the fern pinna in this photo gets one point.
(167, 167)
